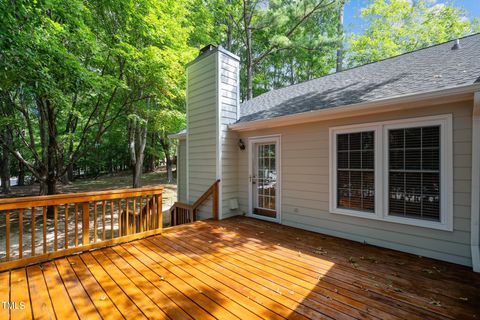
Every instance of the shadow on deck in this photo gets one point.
(241, 268)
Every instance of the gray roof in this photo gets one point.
(424, 70)
(179, 135)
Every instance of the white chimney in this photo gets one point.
(212, 104)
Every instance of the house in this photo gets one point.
(387, 153)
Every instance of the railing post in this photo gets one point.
(85, 223)
(215, 201)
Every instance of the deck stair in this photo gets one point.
(181, 213)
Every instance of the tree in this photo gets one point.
(398, 26)
(281, 20)
(75, 73)
(167, 122)
(54, 75)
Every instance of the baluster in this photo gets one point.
(159, 211)
(140, 221)
(94, 221)
(20, 233)
(104, 208)
(76, 224)
(55, 228)
(175, 216)
(33, 231)
(112, 209)
(152, 221)
(85, 223)
(134, 215)
(119, 217)
(44, 213)
(66, 225)
(7, 240)
(148, 214)
(126, 216)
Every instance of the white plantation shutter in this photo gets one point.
(414, 172)
(356, 171)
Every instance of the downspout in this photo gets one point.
(475, 205)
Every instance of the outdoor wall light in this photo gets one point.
(241, 145)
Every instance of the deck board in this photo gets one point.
(42, 305)
(4, 294)
(242, 268)
(63, 304)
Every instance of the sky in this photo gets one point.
(353, 7)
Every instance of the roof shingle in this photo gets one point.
(424, 70)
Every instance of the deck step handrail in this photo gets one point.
(181, 213)
(47, 227)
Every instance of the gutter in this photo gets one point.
(458, 93)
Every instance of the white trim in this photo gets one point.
(187, 153)
(219, 132)
(238, 92)
(475, 205)
(277, 138)
(401, 102)
(381, 170)
(333, 132)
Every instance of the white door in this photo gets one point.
(264, 178)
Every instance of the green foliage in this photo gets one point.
(82, 70)
(398, 26)
(288, 44)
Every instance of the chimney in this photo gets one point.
(212, 104)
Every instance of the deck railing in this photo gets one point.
(34, 229)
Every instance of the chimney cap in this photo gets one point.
(456, 45)
(207, 48)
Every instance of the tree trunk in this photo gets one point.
(228, 22)
(52, 150)
(137, 141)
(5, 165)
(70, 172)
(248, 47)
(61, 168)
(169, 167)
(169, 163)
(21, 174)
(340, 34)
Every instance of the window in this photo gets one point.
(355, 171)
(414, 172)
(398, 171)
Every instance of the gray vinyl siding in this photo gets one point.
(202, 132)
(228, 139)
(305, 187)
(182, 171)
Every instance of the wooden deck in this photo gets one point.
(241, 268)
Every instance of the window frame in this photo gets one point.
(334, 132)
(381, 170)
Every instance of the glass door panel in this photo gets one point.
(264, 180)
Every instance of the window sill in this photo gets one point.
(419, 223)
(393, 219)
